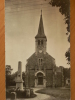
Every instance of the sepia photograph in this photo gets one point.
(37, 50)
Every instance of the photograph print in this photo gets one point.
(37, 49)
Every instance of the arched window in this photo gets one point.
(40, 61)
(41, 42)
(38, 42)
(39, 74)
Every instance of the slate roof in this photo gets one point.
(40, 55)
(40, 33)
(47, 60)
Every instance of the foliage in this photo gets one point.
(8, 74)
(67, 54)
(10, 79)
(64, 9)
(66, 72)
(20, 93)
(23, 77)
(8, 69)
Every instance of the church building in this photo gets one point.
(41, 70)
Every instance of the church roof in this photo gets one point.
(40, 55)
(40, 33)
(48, 61)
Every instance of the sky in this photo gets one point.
(21, 26)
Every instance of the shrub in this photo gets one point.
(8, 94)
(21, 94)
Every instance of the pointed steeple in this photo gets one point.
(40, 33)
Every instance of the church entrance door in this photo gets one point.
(40, 78)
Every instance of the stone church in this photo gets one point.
(41, 70)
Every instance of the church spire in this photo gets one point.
(41, 12)
(41, 33)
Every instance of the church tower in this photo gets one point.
(40, 38)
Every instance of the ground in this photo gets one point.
(50, 94)
(58, 93)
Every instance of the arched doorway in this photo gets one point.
(40, 78)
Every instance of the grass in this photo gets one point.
(58, 93)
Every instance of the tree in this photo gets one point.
(66, 73)
(64, 9)
(67, 54)
(8, 74)
(8, 69)
(12, 80)
(23, 77)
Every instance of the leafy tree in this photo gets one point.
(66, 72)
(8, 69)
(64, 9)
(23, 77)
(8, 74)
(67, 54)
(12, 80)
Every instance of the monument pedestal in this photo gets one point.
(19, 84)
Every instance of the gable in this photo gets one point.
(47, 60)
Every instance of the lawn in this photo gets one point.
(58, 93)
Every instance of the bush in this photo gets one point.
(13, 95)
(31, 92)
(12, 90)
(8, 94)
(21, 94)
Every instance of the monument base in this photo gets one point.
(19, 85)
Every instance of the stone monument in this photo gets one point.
(19, 81)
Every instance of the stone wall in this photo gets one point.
(48, 67)
(49, 78)
(59, 79)
(32, 78)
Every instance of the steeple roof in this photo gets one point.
(40, 33)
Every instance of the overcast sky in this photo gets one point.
(21, 26)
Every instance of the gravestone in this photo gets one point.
(27, 92)
(19, 81)
(13, 95)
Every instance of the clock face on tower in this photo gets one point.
(40, 51)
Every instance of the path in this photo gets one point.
(39, 96)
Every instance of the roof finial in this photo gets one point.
(41, 12)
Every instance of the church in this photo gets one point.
(41, 70)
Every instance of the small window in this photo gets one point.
(41, 42)
(68, 81)
(40, 61)
(19, 75)
(38, 42)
